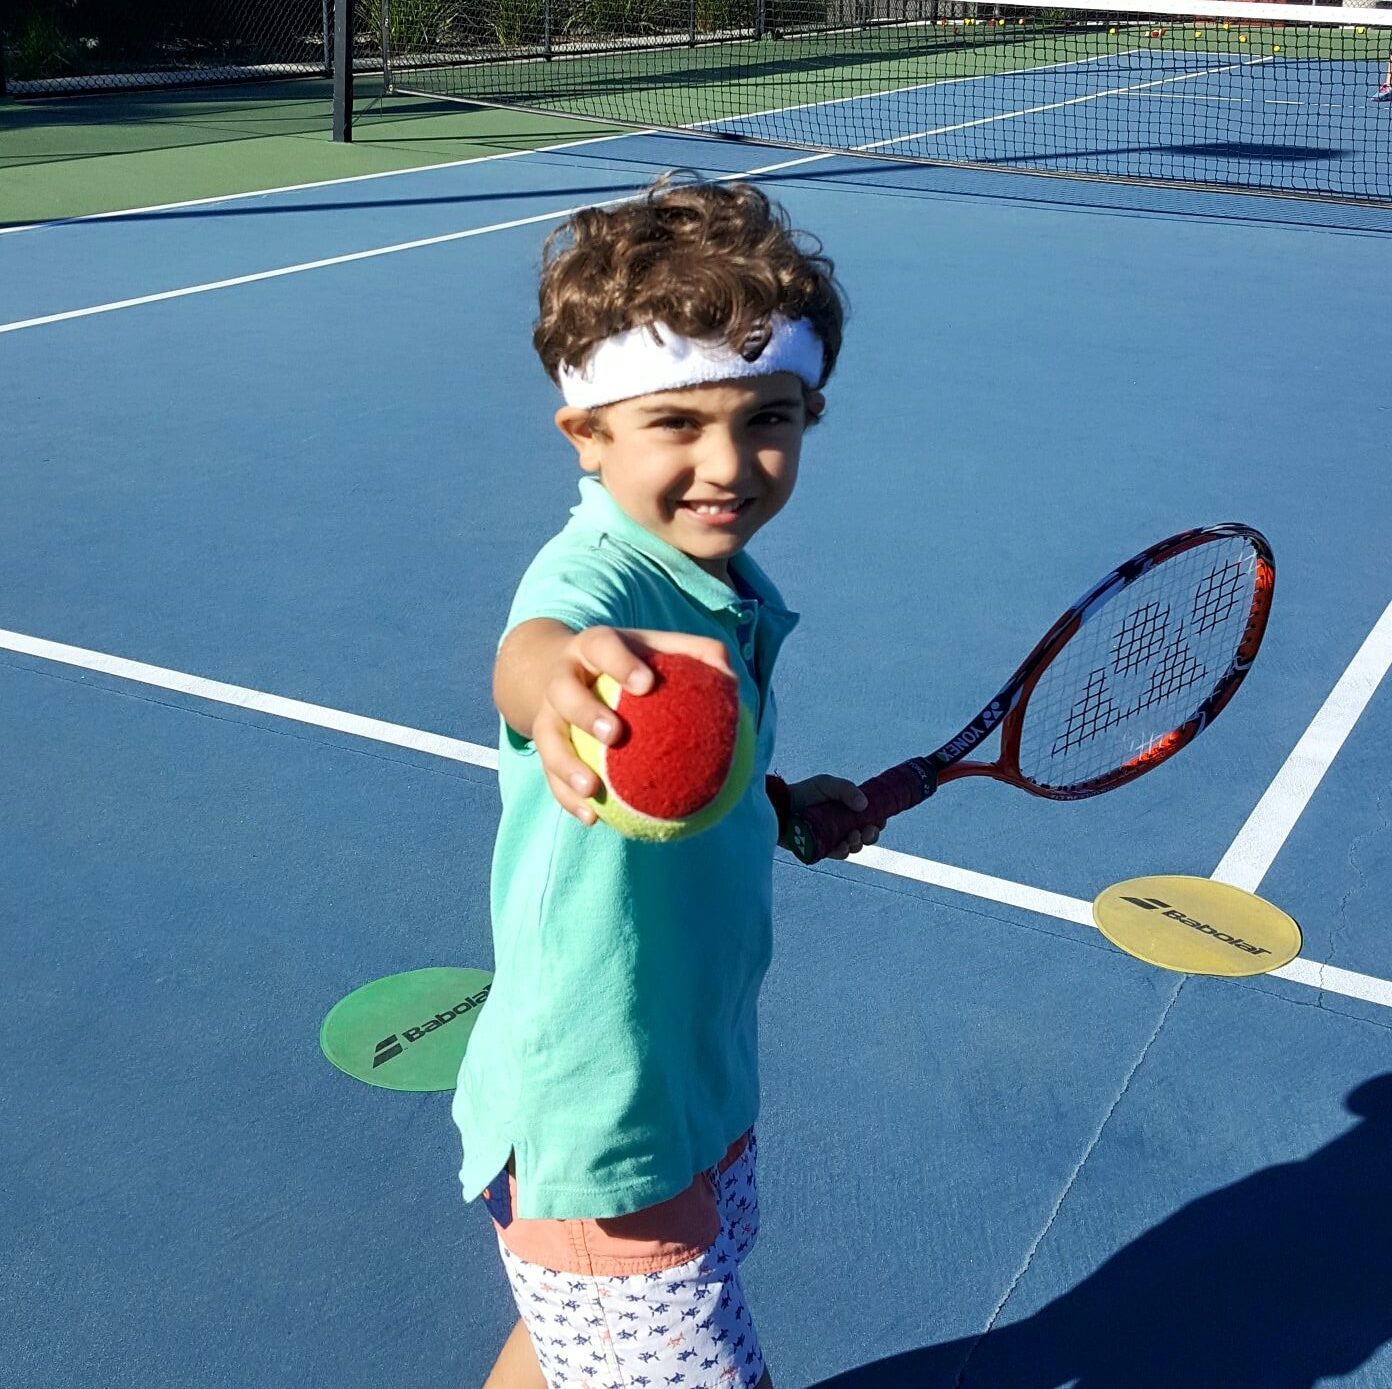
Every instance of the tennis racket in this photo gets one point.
(1136, 669)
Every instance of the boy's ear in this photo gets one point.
(582, 427)
(815, 403)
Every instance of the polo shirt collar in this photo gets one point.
(599, 511)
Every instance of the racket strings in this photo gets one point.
(1139, 637)
(1219, 595)
(1140, 666)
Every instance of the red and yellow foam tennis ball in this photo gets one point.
(685, 757)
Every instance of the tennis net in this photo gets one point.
(1256, 96)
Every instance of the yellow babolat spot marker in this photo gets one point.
(1196, 926)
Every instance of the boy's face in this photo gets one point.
(704, 467)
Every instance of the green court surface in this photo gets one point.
(74, 156)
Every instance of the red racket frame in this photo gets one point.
(819, 829)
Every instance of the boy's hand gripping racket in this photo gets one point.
(1139, 666)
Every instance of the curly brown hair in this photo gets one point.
(708, 260)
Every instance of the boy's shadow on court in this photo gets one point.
(1274, 1282)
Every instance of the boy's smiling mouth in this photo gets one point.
(716, 511)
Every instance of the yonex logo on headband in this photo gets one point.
(652, 358)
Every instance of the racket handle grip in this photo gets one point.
(816, 831)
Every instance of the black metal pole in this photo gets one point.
(384, 18)
(343, 70)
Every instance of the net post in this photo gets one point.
(760, 19)
(546, 30)
(384, 20)
(343, 71)
(691, 21)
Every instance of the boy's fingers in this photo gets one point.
(572, 701)
(847, 792)
(570, 802)
(708, 649)
(605, 650)
(619, 654)
(563, 767)
(825, 787)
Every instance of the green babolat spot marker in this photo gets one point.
(406, 1031)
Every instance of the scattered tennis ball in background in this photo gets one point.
(686, 755)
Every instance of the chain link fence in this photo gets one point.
(54, 46)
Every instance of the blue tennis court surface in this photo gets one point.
(273, 467)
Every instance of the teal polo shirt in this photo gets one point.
(617, 1055)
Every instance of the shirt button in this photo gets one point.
(748, 651)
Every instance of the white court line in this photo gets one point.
(350, 256)
(1058, 105)
(259, 275)
(915, 87)
(242, 698)
(320, 183)
(1312, 974)
(1274, 816)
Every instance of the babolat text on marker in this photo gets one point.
(1152, 904)
(414, 1034)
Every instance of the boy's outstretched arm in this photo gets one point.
(542, 685)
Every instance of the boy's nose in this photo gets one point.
(722, 461)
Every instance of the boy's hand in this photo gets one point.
(567, 698)
(818, 789)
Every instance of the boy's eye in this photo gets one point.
(771, 417)
(675, 422)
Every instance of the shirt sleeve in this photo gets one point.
(578, 586)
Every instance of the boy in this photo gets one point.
(607, 1099)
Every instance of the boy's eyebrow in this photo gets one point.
(669, 407)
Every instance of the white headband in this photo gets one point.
(640, 361)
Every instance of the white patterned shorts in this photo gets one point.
(660, 1307)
